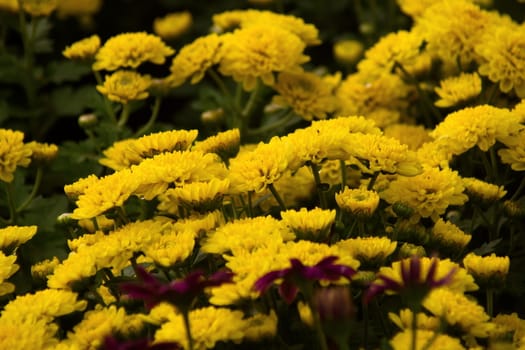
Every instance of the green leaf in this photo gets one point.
(67, 101)
(487, 248)
(65, 71)
(41, 28)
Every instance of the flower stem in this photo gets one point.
(490, 301)
(154, 113)
(317, 325)
(414, 330)
(282, 122)
(107, 103)
(278, 198)
(318, 185)
(34, 190)
(124, 115)
(11, 203)
(186, 318)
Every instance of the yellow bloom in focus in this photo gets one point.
(130, 50)
(44, 268)
(226, 144)
(405, 318)
(487, 270)
(403, 341)
(13, 153)
(84, 49)
(370, 251)
(449, 237)
(348, 52)
(459, 310)
(33, 334)
(195, 58)
(208, 325)
(514, 153)
(311, 224)
(306, 93)
(480, 126)
(7, 269)
(503, 60)
(483, 191)
(99, 223)
(39, 7)
(456, 90)
(79, 187)
(259, 51)
(124, 153)
(172, 25)
(42, 153)
(170, 248)
(414, 136)
(11, 237)
(358, 202)
(124, 86)
(429, 194)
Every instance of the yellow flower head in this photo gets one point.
(9, 5)
(130, 50)
(13, 153)
(44, 268)
(79, 187)
(260, 326)
(405, 318)
(456, 90)
(170, 248)
(411, 135)
(429, 194)
(124, 86)
(172, 25)
(348, 51)
(483, 191)
(358, 202)
(226, 144)
(403, 340)
(514, 153)
(311, 225)
(487, 270)
(84, 49)
(42, 153)
(83, 9)
(370, 251)
(39, 7)
(306, 93)
(11, 237)
(7, 269)
(124, 153)
(449, 237)
(259, 51)
(195, 58)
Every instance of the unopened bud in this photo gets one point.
(87, 121)
(212, 116)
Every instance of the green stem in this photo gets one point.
(124, 115)
(365, 324)
(344, 174)
(278, 198)
(372, 181)
(186, 318)
(250, 208)
(282, 122)
(318, 185)
(414, 330)
(252, 101)
(34, 190)
(318, 326)
(107, 103)
(27, 41)
(519, 189)
(490, 302)
(494, 164)
(154, 114)
(11, 203)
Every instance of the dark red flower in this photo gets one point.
(294, 276)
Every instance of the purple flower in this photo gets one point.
(112, 343)
(179, 292)
(296, 275)
(412, 285)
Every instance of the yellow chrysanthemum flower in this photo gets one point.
(487, 270)
(459, 310)
(348, 52)
(429, 194)
(124, 86)
(404, 320)
(39, 7)
(370, 251)
(311, 224)
(42, 153)
(195, 58)
(480, 126)
(260, 326)
(34, 334)
(13, 153)
(13, 236)
(84, 49)
(42, 269)
(170, 248)
(358, 202)
(259, 51)
(456, 90)
(514, 153)
(9, 5)
(510, 323)
(172, 25)
(306, 93)
(414, 136)
(124, 153)
(82, 9)
(7, 269)
(79, 187)
(483, 191)
(403, 341)
(130, 50)
(503, 62)
(226, 144)
(449, 237)
(200, 224)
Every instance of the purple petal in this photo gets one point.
(288, 291)
(219, 278)
(446, 279)
(373, 290)
(263, 283)
(415, 270)
(431, 272)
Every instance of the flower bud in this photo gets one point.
(87, 121)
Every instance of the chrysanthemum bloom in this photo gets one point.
(13, 236)
(510, 324)
(170, 248)
(259, 51)
(226, 144)
(200, 196)
(195, 58)
(308, 33)
(13, 153)
(44, 268)
(78, 187)
(39, 7)
(404, 320)
(370, 251)
(490, 271)
(428, 194)
(456, 90)
(130, 50)
(7, 269)
(514, 153)
(9, 5)
(299, 277)
(84, 49)
(358, 202)
(172, 25)
(179, 293)
(460, 311)
(480, 126)
(414, 136)
(449, 237)
(502, 59)
(124, 153)
(309, 224)
(403, 340)
(306, 93)
(483, 191)
(124, 86)
(42, 153)
(82, 9)
(348, 51)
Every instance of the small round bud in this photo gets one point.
(212, 116)
(86, 121)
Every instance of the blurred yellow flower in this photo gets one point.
(84, 49)
(39, 7)
(483, 191)
(11, 237)
(13, 153)
(436, 341)
(124, 86)
(82, 9)
(488, 271)
(348, 51)
(226, 144)
(7, 269)
(370, 251)
(449, 237)
(456, 90)
(413, 136)
(172, 25)
(514, 152)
